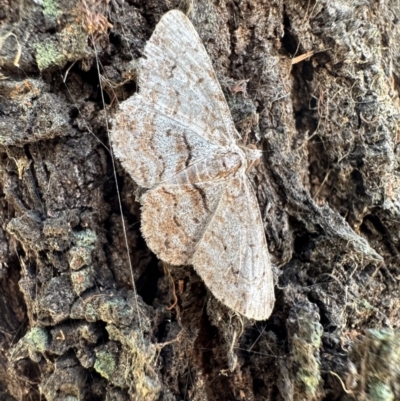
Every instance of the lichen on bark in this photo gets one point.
(73, 326)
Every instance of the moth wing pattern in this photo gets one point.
(176, 138)
(235, 241)
(180, 114)
(152, 146)
(174, 218)
(177, 76)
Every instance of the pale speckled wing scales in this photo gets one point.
(174, 218)
(232, 257)
(177, 76)
(180, 116)
(152, 146)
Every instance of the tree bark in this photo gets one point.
(86, 310)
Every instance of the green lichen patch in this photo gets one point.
(381, 392)
(33, 345)
(105, 363)
(38, 339)
(377, 358)
(85, 238)
(51, 8)
(70, 44)
(306, 332)
(47, 55)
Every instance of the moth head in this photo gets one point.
(253, 155)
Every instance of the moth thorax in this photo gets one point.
(252, 155)
(230, 162)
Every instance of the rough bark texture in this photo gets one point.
(72, 325)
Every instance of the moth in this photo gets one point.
(176, 139)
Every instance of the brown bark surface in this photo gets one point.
(72, 324)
